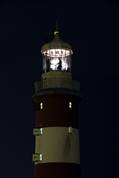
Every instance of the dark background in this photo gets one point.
(91, 27)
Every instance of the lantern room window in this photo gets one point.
(57, 60)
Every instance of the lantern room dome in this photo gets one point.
(56, 43)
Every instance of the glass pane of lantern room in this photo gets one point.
(57, 60)
(66, 66)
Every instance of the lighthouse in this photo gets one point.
(56, 104)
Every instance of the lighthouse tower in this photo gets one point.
(56, 104)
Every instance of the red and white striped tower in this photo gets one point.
(56, 102)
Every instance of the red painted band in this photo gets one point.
(57, 170)
(56, 111)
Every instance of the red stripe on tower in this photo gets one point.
(56, 103)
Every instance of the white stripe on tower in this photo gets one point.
(57, 144)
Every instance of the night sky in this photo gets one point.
(91, 27)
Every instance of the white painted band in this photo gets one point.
(58, 144)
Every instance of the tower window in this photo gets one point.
(37, 131)
(37, 157)
(41, 157)
(41, 105)
(41, 131)
(70, 104)
(70, 130)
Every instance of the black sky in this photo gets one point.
(91, 27)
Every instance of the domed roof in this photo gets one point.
(56, 43)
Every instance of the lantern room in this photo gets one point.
(56, 55)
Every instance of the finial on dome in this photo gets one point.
(56, 32)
